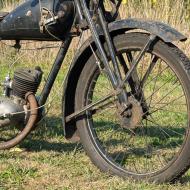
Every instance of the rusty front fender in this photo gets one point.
(162, 30)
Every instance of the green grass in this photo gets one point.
(49, 161)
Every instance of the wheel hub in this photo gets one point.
(132, 116)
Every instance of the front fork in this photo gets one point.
(114, 74)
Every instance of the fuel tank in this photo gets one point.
(24, 22)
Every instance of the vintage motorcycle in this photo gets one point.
(126, 94)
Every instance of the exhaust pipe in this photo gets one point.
(30, 97)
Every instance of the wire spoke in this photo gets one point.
(166, 104)
(159, 74)
(156, 79)
(148, 146)
(150, 68)
(158, 89)
(164, 132)
(167, 95)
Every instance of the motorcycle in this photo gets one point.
(126, 95)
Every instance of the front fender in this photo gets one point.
(70, 84)
(163, 31)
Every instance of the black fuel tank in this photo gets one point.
(23, 23)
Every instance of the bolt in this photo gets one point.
(128, 113)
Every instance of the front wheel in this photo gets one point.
(153, 142)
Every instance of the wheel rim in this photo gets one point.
(154, 144)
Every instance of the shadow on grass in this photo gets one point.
(43, 145)
(184, 180)
(160, 137)
(49, 136)
(150, 131)
(158, 140)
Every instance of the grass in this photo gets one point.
(67, 169)
(45, 159)
(50, 162)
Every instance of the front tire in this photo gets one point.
(158, 152)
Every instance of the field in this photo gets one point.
(46, 160)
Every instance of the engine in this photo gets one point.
(13, 101)
(26, 80)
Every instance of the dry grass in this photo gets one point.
(171, 12)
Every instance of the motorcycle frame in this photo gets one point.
(113, 75)
(84, 18)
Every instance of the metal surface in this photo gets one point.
(69, 89)
(122, 97)
(54, 71)
(8, 106)
(132, 121)
(29, 126)
(113, 75)
(90, 106)
(134, 65)
(24, 22)
(26, 80)
(98, 43)
(136, 62)
(109, 42)
(3, 15)
(79, 10)
(164, 31)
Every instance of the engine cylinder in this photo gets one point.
(26, 80)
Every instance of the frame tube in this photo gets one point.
(54, 71)
(95, 35)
